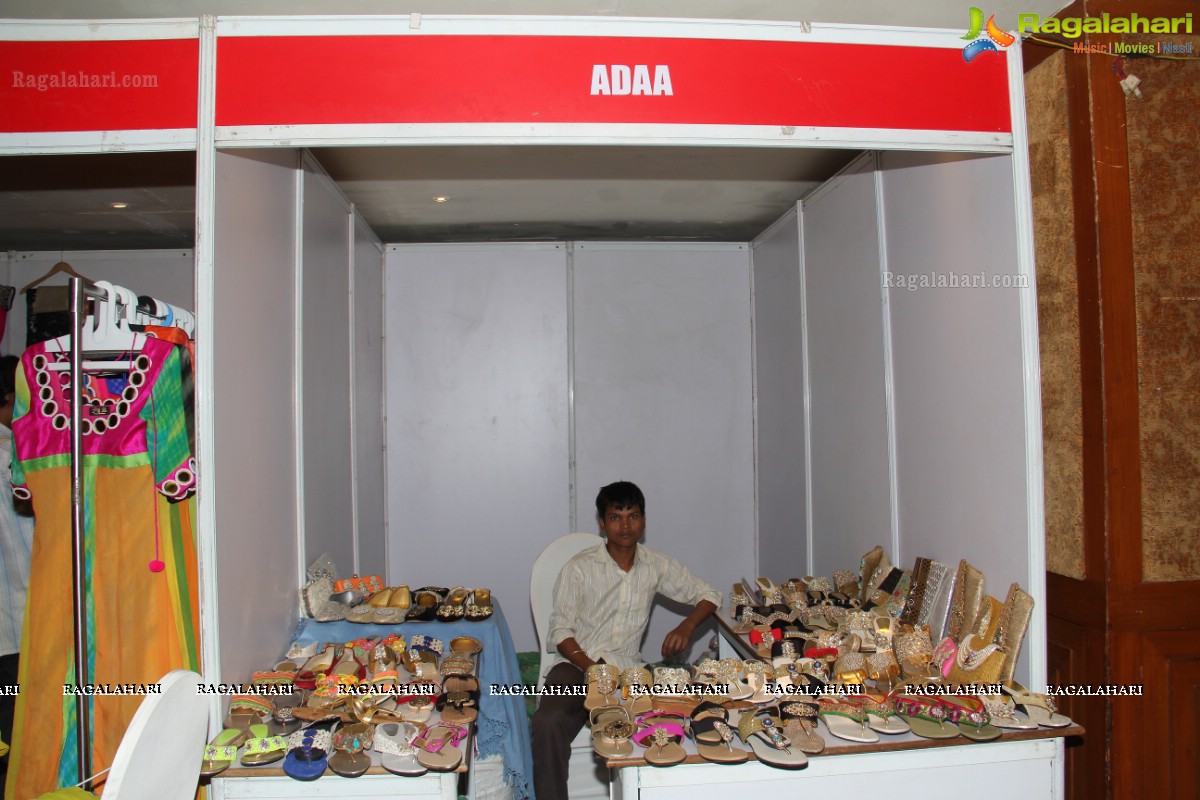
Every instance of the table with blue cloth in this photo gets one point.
(502, 727)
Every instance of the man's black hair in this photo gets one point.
(619, 495)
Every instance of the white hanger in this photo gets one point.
(106, 330)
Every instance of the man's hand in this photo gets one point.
(678, 640)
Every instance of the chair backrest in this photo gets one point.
(541, 587)
(159, 755)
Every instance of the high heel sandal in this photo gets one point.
(321, 663)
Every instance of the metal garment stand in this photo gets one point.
(83, 717)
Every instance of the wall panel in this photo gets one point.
(663, 398)
(851, 481)
(324, 334)
(477, 462)
(782, 481)
(255, 431)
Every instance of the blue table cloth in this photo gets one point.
(502, 727)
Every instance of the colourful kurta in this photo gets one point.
(139, 477)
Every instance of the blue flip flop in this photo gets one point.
(306, 758)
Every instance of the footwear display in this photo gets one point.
(710, 731)
(662, 740)
(437, 747)
(307, 755)
(394, 741)
(612, 731)
(349, 742)
(763, 732)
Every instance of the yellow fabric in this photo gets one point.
(135, 636)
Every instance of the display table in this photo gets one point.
(1027, 765)
(1021, 764)
(501, 728)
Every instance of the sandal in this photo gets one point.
(601, 686)
(306, 758)
(926, 716)
(758, 675)
(438, 747)
(221, 752)
(263, 750)
(1040, 708)
(458, 707)
(611, 731)
(636, 690)
(349, 742)
(1004, 714)
(764, 734)
(662, 743)
(672, 680)
(882, 716)
(394, 741)
(800, 725)
(424, 606)
(306, 676)
(401, 598)
(846, 718)
(713, 737)
(454, 607)
(971, 717)
(480, 607)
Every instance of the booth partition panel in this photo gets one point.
(324, 388)
(477, 456)
(848, 419)
(256, 436)
(961, 433)
(366, 399)
(781, 473)
(663, 398)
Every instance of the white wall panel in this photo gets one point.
(367, 421)
(328, 494)
(255, 431)
(851, 481)
(663, 398)
(961, 437)
(164, 274)
(779, 403)
(477, 457)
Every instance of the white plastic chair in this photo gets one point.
(588, 779)
(541, 588)
(159, 755)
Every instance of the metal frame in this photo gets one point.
(207, 137)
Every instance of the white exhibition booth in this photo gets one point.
(440, 412)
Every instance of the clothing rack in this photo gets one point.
(79, 291)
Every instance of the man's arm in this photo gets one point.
(678, 640)
(570, 650)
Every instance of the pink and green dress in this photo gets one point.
(140, 582)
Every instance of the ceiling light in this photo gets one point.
(441, 198)
(119, 205)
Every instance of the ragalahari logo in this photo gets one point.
(984, 37)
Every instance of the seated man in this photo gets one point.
(602, 603)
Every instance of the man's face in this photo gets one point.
(623, 526)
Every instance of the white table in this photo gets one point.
(1028, 770)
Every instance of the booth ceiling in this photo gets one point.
(496, 193)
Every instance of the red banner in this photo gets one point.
(148, 84)
(552, 79)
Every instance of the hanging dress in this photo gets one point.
(139, 476)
